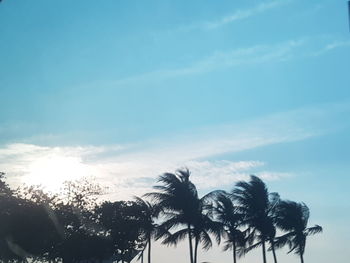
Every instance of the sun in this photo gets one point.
(51, 171)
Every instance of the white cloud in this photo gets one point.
(271, 175)
(246, 56)
(134, 169)
(244, 13)
(237, 15)
(331, 46)
(303, 47)
(223, 173)
(215, 174)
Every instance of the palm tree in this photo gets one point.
(178, 201)
(292, 217)
(202, 226)
(257, 206)
(274, 200)
(230, 217)
(147, 225)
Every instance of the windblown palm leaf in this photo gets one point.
(293, 217)
(258, 207)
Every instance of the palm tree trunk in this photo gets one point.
(190, 242)
(234, 252)
(264, 251)
(273, 251)
(301, 258)
(149, 248)
(142, 256)
(195, 250)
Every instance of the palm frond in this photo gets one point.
(205, 240)
(254, 246)
(283, 240)
(228, 245)
(173, 239)
(313, 230)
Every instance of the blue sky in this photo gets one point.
(126, 90)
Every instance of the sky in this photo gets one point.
(123, 91)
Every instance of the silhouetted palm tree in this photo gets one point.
(257, 205)
(231, 218)
(180, 205)
(147, 223)
(176, 199)
(270, 226)
(292, 217)
(201, 226)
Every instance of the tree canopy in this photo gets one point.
(73, 227)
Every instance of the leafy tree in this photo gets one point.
(81, 193)
(32, 230)
(122, 223)
(5, 190)
(82, 246)
(8, 202)
(27, 228)
(49, 204)
(292, 217)
(77, 223)
(73, 227)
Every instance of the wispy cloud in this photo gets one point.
(245, 13)
(237, 15)
(241, 58)
(224, 173)
(218, 60)
(133, 169)
(304, 47)
(331, 46)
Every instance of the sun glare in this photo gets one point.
(50, 172)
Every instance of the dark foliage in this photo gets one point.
(72, 227)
